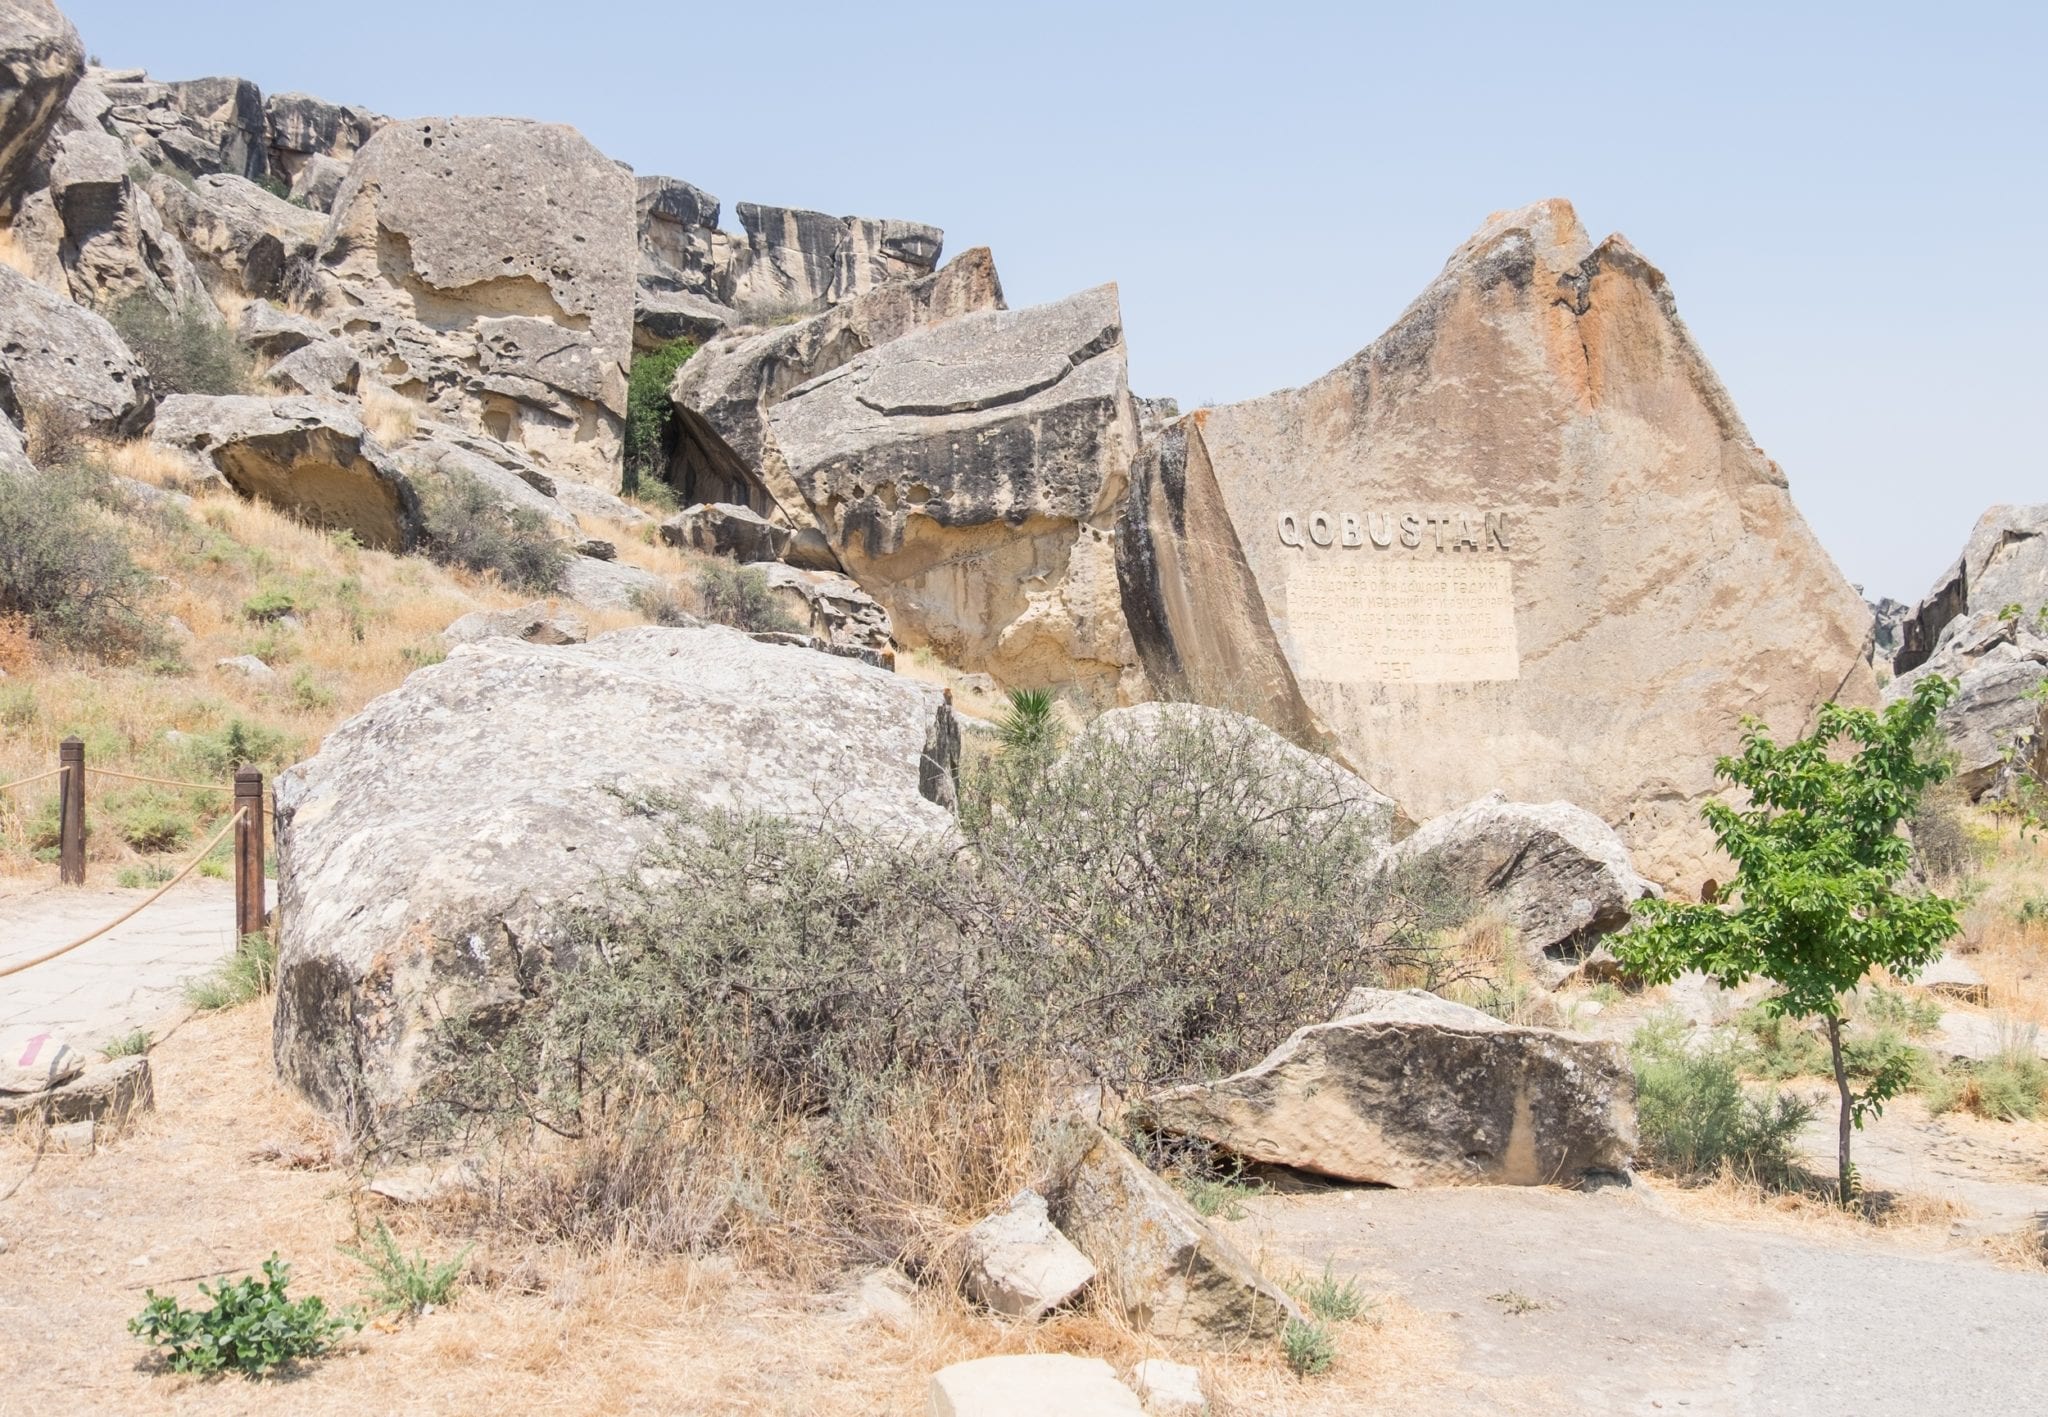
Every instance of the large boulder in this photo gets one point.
(1997, 724)
(198, 126)
(424, 851)
(724, 392)
(833, 609)
(1411, 1090)
(310, 457)
(248, 238)
(799, 260)
(115, 245)
(484, 267)
(1169, 1272)
(967, 475)
(725, 529)
(300, 129)
(2004, 563)
(63, 369)
(1555, 873)
(41, 58)
(1523, 540)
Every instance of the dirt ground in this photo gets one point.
(1684, 1298)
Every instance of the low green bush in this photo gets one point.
(1694, 1116)
(468, 524)
(1309, 1347)
(402, 1283)
(248, 973)
(67, 568)
(2009, 1086)
(152, 823)
(740, 596)
(189, 350)
(250, 1327)
(217, 755)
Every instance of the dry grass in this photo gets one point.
(1909, 1218)
(391, 418)
(15, 256)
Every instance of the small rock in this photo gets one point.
(249, 666)
(597, 550)
(72, 1138)
(1019, 1264)
(417, 1185)
(885, 1296)
(1955, 979)
(1031, 1385)
(538, 624)
(34, 1061)
(177, 627)
(1169, 1389)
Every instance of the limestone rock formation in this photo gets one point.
(14, 461)
(308, 456)
(834, 611)
(724, 392)
(247, 238)
(198, 126)
(538, 623)
(1555, 873)
(41, 58)
(967, 475)
(1169, 1271)
(796, 260)
(484, 267)
(424, 850)
(726, 529)
(1410, 1090)
(114, 244)
(1523, 540)
(63, 369)
(1017, 1262)
(2004, 563)
(1030, 1385)
(301, 130)
(318, 182)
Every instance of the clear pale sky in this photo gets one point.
(1851, 201)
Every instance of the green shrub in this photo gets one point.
(189, 350)
(250, 1327)
(650, 415)
(1309, 1347)
(136, 1040)
(402, 1283)
(1028, 723)
(309, 693)
(1331, 1299)
(1692, 1112)
(662, 606)
(150, 823)
(248, 973)
(1783, 1047)
(469, 525)
(850, 978)
(270, 603)
(241, 744)
(1912, 1014)
(68, 570)
(739, 596)
(142, 877)
(2011, 1085)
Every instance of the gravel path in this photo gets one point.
(1565, 1302)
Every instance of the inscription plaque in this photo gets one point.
(1403, 621)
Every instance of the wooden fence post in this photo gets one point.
(249, 912)
(71, 812)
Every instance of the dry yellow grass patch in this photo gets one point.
(14, 255)
(390, 417)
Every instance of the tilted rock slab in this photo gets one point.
(723, 393)
(967, 475)
(1169, 1271)
(62, 367)
(484, 267)
(310, 457)
(2005, 562)
(425, 851)
(115, 245)
(1018, 1263)
(1555, 873)
(1523, 540)
(1412, 1090)
(41, 58)
(251, 239)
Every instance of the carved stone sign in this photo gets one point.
(1384, 621)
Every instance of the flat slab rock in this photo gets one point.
(1412, 1090)
(1019, 1264)
(1031, 1385)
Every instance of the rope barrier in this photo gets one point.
(240, 812)
(159, 781)
(53, 772)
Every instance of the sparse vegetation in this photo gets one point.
(650, 415)
(127, 1045)
(402, 1283)
(1695, 1117)
(739, 596)
(67, 569)
(1309, 1347)
(2011, 1085)
(1330, 1299)
(249, 973)
(471, 526)
(664, 606)
(189, 350)
(1028, 723)
(250, 1327)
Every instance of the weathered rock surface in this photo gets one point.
(726, 529)
(1018, 1263)
(1169, 1389)
(1411, 1090)
(34, 1061)
(724, 392)
(419, 868)
(1030, 1385)
(484, 267)
(1168, 1270)
(41, 58)
(308, 456)
(302, 131)
(249, 239)
(608, 585)
(318, 182)
(14, 461)
(199, 126)
(967, 475)
(63, 367)
(797, 260)
(1526, 521)
(1555, 873)
(108, 1093)
(115, 245)
(539, 623)
(2005, 562)
(833, 610)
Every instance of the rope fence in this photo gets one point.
(246, 822)
(241, 814)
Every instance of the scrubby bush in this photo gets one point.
(1947, 847)
(150, 823)
(1694, 1116)
(2011, 1085)
(189, 350)
(740, 596)
(795, 1027)
(250, 1327)
(663, 606)
(249, 973)
(470, 525)
(650, 415)
(240, 744)
(67, 569)
(402, 1283)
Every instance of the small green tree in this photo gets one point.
(649, 412)
(1819, 858)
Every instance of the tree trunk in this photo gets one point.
(1848, 1109)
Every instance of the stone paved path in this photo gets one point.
(130, 978)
